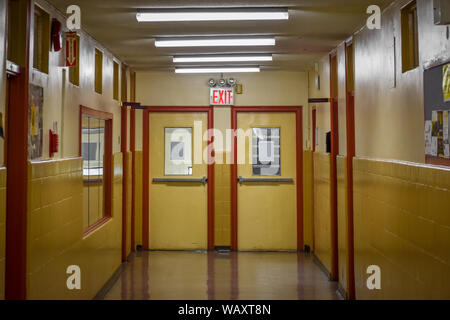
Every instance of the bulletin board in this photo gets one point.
(437, 114)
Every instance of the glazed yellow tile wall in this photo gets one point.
(322, 209)
(308, 201)
(342, 220)
(129, 159)
(2, 230)
(55, 232)
(402, 224)
(222, 202)
(138, 197)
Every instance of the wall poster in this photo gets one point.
(446, 82)
(437, 109)
(35, 122)
(266, 152)
(178, 151)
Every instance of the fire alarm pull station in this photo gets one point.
(53, 145)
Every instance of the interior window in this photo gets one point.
(93, 153)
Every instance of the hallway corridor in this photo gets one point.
(163, 275)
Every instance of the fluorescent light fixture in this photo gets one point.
(218, 42)
(217, 70)
(212, 15)
(221, 58)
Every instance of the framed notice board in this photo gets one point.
(437, 114)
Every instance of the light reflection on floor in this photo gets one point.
(159, 275)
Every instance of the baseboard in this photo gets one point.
(322, 266)
(110, 283)
(342, 291)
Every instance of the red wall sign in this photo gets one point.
(71, 49)
(222, 96)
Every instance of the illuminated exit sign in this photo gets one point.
(222, 96)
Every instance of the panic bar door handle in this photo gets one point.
(203, 180)
(265, 180)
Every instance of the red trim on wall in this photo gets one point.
(299, 153)
(314, 125)
(123, 149)
(17, 186)
(351, 152)
(146, 178)
(234, 213)
(17, 177)
(334, 272)
(146, 170)
(211, 180)
(133, 176)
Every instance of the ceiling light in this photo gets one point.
(217, 70)
(218, 58)
(211, 15)
(219, 42)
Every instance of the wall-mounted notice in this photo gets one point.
(446, 82)
(437, 109)
(446, 134)
(35, 128)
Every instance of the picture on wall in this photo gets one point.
(266, 152)
(35, 122)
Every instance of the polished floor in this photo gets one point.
(158, 275)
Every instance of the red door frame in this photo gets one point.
(351, 153)
(17, 176)
(334, 274)
(124, 149)
(299, 145)
(146, 169)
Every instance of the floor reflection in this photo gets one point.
(159, 275)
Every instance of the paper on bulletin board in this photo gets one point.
(446, 82)
(434, 134)
(446, 134)
(428, 128)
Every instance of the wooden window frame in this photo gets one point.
(107, 164)
(98, 72)
(410, 37)
(43, 49)
(116, 82)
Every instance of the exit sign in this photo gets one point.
(222, 96)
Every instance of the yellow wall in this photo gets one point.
(308, 200)
(342, 220)
(342, 99)
(322, 209)
(222, 205)
(402, 224)
(138, 198)
(55, 232)
(62, 99)
(2, 230)
(390, 121)
(129, 159)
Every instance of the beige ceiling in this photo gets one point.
(314, 28)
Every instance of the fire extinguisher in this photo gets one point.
(53, 143)
(56, 35)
